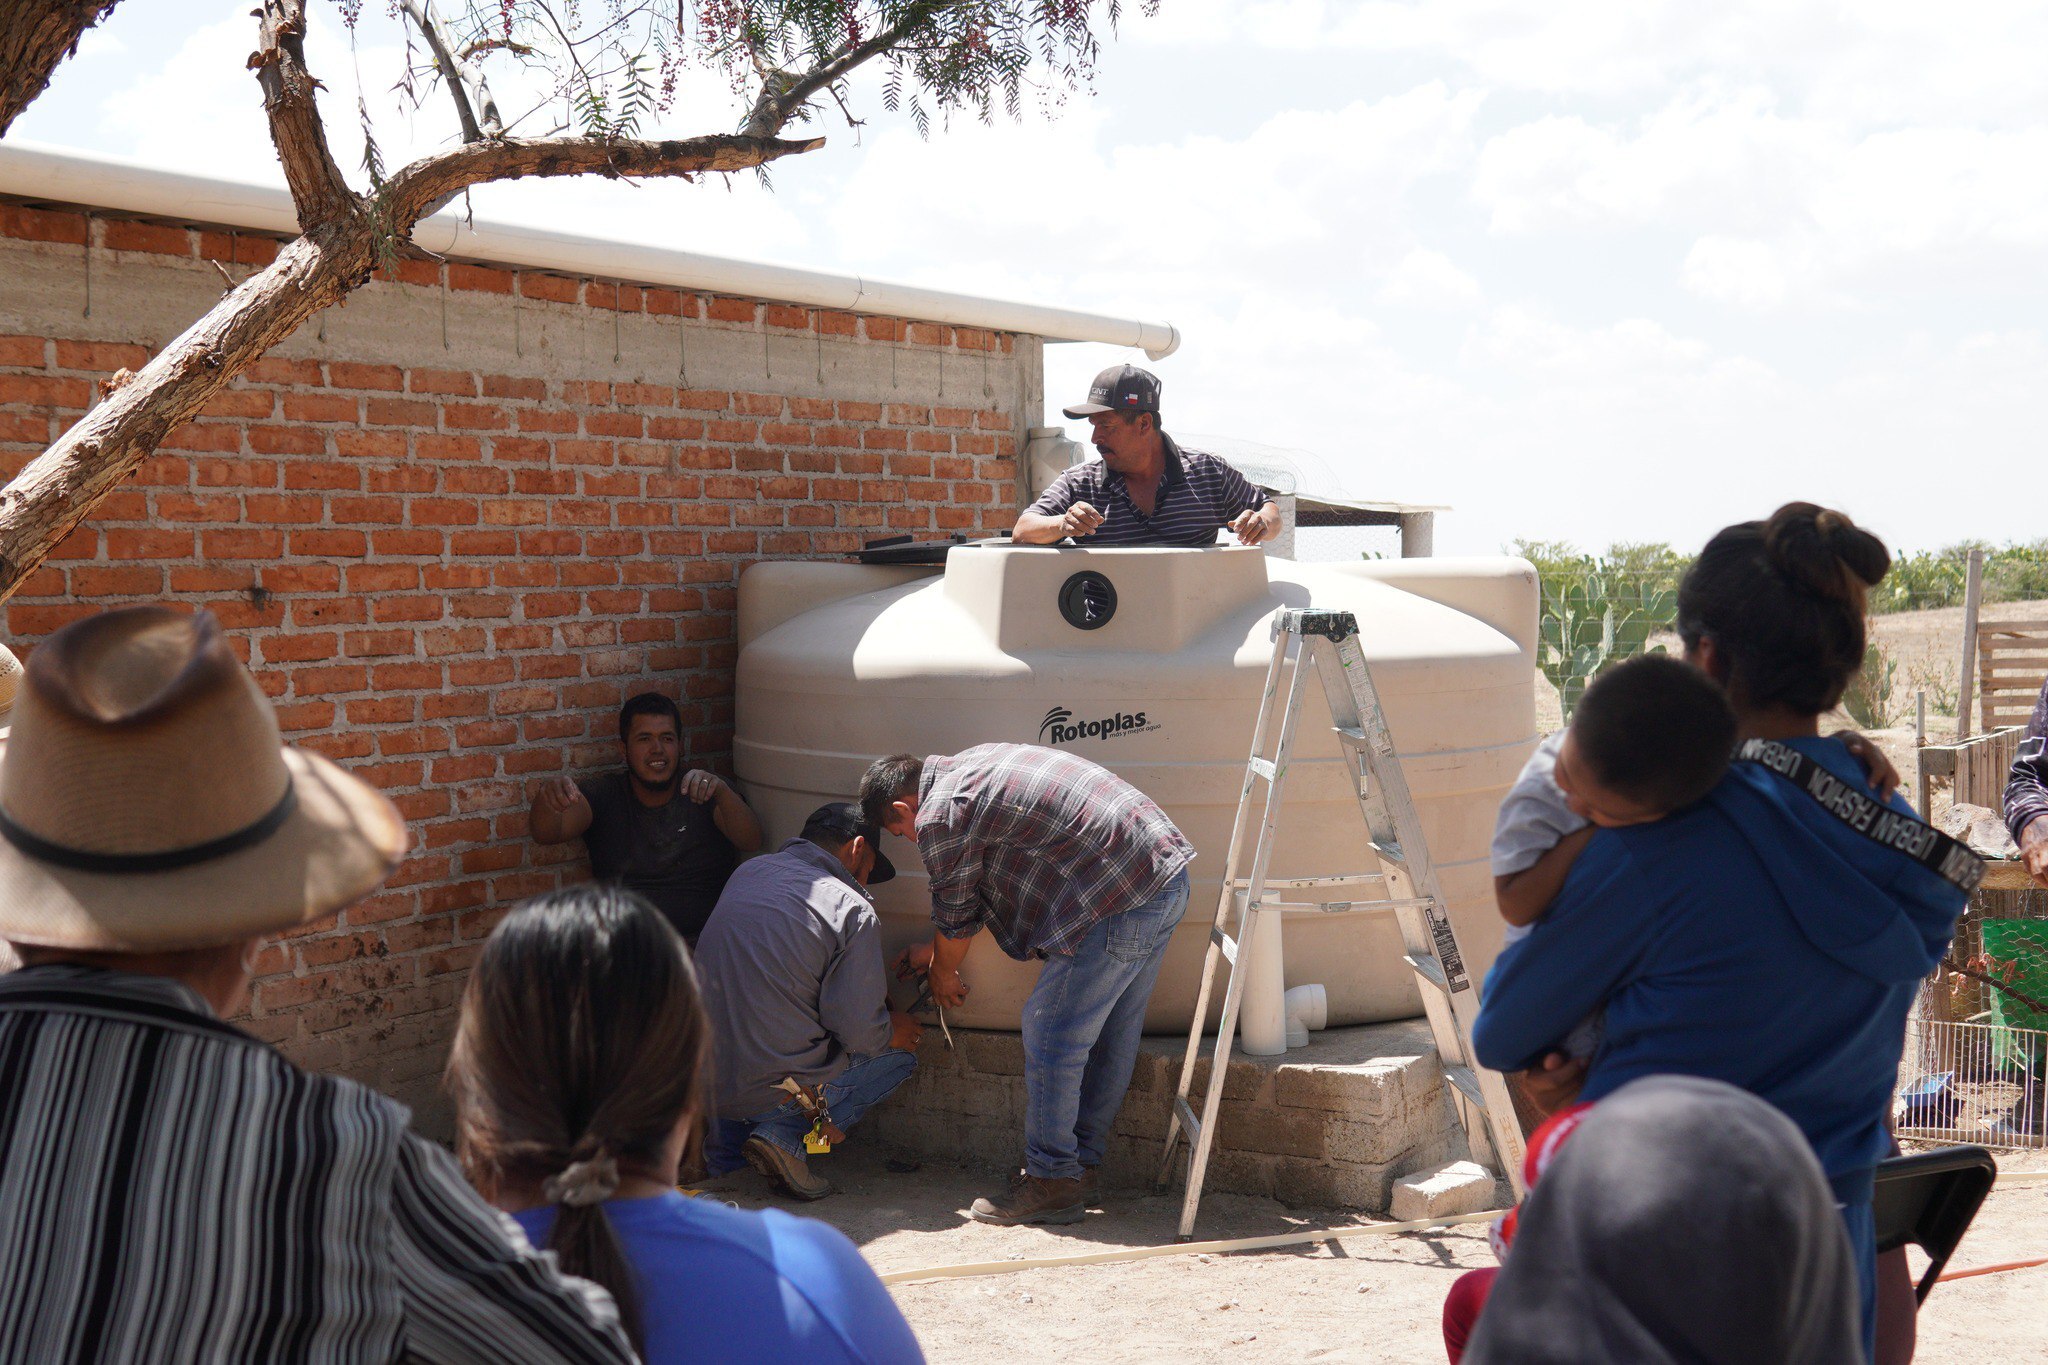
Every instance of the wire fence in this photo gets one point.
(1977, 1045)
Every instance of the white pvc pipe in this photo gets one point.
(1262, 1011)
(1307, 1009)
(89, 180)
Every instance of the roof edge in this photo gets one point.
(93, 180)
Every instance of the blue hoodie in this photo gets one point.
(1754, 939)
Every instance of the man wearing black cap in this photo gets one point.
(1146, 489)
(791, 968)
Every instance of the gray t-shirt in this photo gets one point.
(1533, 817)
(791, 967)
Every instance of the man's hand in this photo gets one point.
(1884, 778)
(904, 1031)
(701, 786)
(1080, 520)
(2034, 849)
(559, 795)
(915, 960)
(1554, 1082)
(947, 988)
(1255, 527)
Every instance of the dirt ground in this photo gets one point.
(1365, 1299)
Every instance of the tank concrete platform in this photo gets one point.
(1333, 1124)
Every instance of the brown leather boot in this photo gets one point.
(787, 1170)
(1091, 1181)
(1035, 1199)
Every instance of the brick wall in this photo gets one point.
(453, 525)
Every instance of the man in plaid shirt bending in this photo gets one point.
(1062, 860)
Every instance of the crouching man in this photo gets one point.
(1062, 860)
(791, 967)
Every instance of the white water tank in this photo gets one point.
(841, 664)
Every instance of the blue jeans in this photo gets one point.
(866, 1082)
(1081, 1030)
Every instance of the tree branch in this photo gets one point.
(781, 98)
(474, 107)
(426, 184)
(62, 485)
(319, 191)
(35, 35)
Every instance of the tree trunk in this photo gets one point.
(35, 35)
(58, 488)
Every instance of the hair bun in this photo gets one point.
(1825, 553)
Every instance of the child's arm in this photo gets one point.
(1524, 896)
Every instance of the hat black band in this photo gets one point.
(43, 851)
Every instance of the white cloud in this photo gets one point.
(1705, 159)
(1429, 280)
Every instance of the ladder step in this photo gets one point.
(1189, 1124)
(1226, 943)
(1429, 971)
(1359, 879)
(1263, 767)
(1467, 1083)
(1351, 735)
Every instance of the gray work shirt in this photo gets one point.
(791, 966)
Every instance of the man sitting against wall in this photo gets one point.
(669, 834)
(791, 966)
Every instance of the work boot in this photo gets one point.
(790, 1172)
(1091, 1194)
(1035, 1199)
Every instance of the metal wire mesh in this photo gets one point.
(1977, 1044)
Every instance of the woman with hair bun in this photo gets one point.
(577, 1073)
(1757, 938)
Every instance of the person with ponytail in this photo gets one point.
(578, 1073)
(1757, 938)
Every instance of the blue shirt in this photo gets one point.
(1198, 494)
(720, 1283)
(1753, 939)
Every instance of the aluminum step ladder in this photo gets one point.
(1404, 883)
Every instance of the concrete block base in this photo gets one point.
(1443, 1192)
(1334, 1124)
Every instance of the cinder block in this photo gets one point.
(1442, 1192)
(1330, 1184)
(995, 1054)
(1271, 1129)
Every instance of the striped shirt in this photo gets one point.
(1198, 494)
(1038, 845)
(172, 1189)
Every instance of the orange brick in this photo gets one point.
(96, 355)
(41, 225)
(321, 407)
(122, 234)
(482, 279)
(45, 389)
(346, 375)
(128, 543)
(552, 288)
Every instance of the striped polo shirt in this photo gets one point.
(1199, 494)
(172, 1189)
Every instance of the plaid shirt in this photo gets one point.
(1038, 845)
(1198, 494)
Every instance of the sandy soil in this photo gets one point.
(1368, 1299)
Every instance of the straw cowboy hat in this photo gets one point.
(147, 801)
(10, 683)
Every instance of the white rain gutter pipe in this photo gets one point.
(90, 180)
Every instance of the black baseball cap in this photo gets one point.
(840, 821)
(1120, 388)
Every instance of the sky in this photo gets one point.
(1582, 270)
